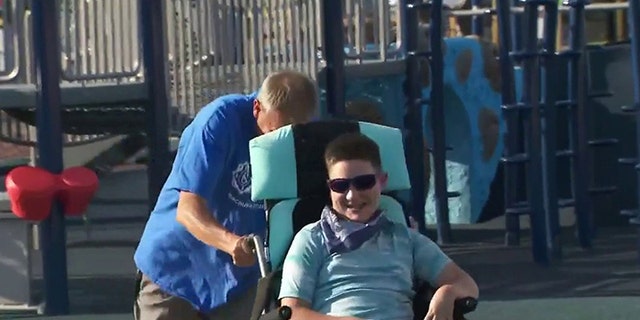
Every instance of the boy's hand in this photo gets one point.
(244, 254)
(413, 224)
(441, 305)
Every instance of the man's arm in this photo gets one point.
(202, 159)
(194, 215)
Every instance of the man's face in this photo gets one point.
(269, 119)
(355, 189)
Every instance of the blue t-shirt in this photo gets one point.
(373, 282)
(213, 162)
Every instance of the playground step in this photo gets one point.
(603, 142)
(516, 158)
(522, 208)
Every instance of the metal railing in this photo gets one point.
(214, 47)
(221, 47)
(99, 39)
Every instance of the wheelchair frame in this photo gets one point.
(423, 293)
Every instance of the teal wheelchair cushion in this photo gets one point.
(288, 163)
(287, 217)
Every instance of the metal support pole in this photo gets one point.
(511, 111)
(477, 21)
(153, 46)
(334, 56)
(549, 123)
(49, 134)
(531, 74)
(634, 27)
(577, 94)
(414, 138)
(516, 27)
(437, 124)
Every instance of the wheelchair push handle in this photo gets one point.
(261, 255)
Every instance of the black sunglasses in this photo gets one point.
(360, 183)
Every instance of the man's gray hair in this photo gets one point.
(291, 92)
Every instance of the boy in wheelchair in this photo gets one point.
(355, 263)
(337, 266)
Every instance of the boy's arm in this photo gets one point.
(299, 277)
(432, 265)
(456, 282)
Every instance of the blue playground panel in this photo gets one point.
(468, 171)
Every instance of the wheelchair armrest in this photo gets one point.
(424, 292)
(464, 306)
(282, 313)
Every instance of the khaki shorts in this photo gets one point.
(153, 304)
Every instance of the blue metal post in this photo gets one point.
(511, 111)
(48, 121)
(577, 95)
(153, 49)
(437, 124)
(414, 138)
(477, 22)
(634, 28)
(531, 96)
(516, 27)
(549, 128)
(334, 56)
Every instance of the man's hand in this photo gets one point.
(441, 305)
(244, 253)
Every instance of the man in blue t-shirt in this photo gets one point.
(194, 257)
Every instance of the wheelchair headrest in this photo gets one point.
(288, 163)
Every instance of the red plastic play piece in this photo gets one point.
(31, 191)
(77, 186)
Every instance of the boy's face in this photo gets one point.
(355, 189)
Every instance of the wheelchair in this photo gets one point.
(289, 175)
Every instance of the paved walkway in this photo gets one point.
(554, 309)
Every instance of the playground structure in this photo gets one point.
(103, 94)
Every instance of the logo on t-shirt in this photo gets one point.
(241, 182)
(241, 178)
